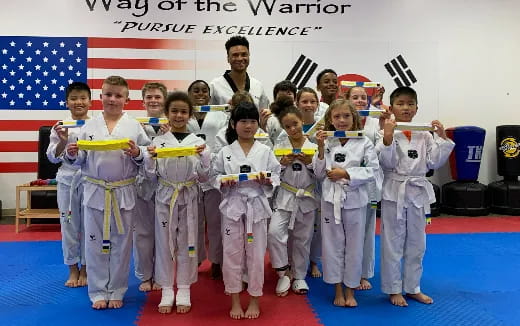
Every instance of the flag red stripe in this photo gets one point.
(132, 105)
(136, 43)
(138, 83)
(18, 167)
(24, 125)
(19, 146)
(158, 64)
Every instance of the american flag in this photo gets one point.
(35, 71)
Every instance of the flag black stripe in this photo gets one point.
(308, 75)
(411, 75)
(389, 69)
(303, 68)
(402, 62)
(400, 73)
(295, 67)
(398, 82)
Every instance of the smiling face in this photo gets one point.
(358, 98)
(404, 108)
(308, 104)
(328, 85)
(114, 99)
(153, 102)
(292, 125)
(178, 115)
(78, 103)
(199, 94)
(246, 128)
(238, 58)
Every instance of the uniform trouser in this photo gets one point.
(72, 230)
(211, 201)
(300, 236)
(342, 244)
(144, 238)
(315, 255)
(201, 233)
(177, 232)
(107, 274)
(369, 246)
(402, 240)
(240, 255)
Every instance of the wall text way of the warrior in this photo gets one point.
(139, 8)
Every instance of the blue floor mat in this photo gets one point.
(32, 291)
(473, 279)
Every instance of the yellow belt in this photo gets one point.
(177, 186)
(175, 151)
(307, 192)
(110, 205)
(103, 145)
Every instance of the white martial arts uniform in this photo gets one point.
(210, 197)
(407, 196)
(144, 230)
(176, 209)
(245, 209)
(273, 128)
(222, 91)
(293, 219)
(371, 128)
(322, 108)
(343, 207)
(70, 195)
(109, 179)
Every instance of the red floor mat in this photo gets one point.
(214, 309)
(36, 232)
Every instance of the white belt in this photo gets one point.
(300, 194)
(418, 181)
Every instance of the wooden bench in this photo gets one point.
(29, 212)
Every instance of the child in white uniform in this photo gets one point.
(154, 95)
(295, 202)
(347, 167)
(207, 125)
(406, 157)
(176, 204)
(357, 96)
(109, 195)
(245, 207)
(70, 188)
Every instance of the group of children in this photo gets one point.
(301, 180)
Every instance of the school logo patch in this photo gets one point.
(91, 137)
(92, 237)
(163, 144)
(228, 231)
(245, 169)
(164, 223)
(339, 157)
(228, 158)
(412, 153)
(297, 167)
(327, 220)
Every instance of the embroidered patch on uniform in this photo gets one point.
(92, 237)
(163, 144)
(164, 223)
(327, 220)
(245, 169)
(228, 231)
(91, 137)
(228, 158)
(203, 136)
(297, 167)
(412, 153)
(328, 150)
(339, 157)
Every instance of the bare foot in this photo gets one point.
(398, 300)
(350, 300)
(100, 304)
(236, 311)
(421, 297)
(253, 310)
(216, 272)
(183, 309)
(339, 299)
(146, 286)
(72, 282)
(156, 287)
(364, 285)
(165, 309)
(315, 271)
(115, 304)
(82, 279)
